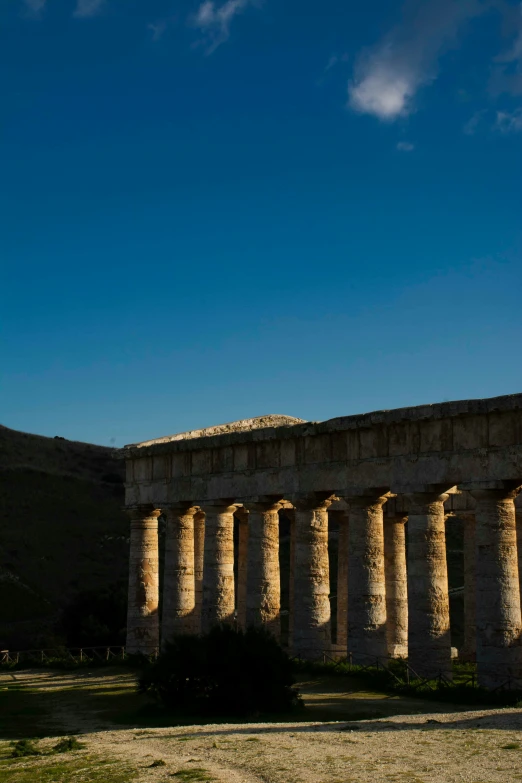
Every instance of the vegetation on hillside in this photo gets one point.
(63, 533)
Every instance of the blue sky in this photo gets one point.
(211, 211)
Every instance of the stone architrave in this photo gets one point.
(342, 582)
(263, 601)
(199, 552)
(311, 626)
(218, 569)
(469, 646)
(179, 597)
(143, 598)
(242, 517)
(366, 579)
(429, 637)
(499, 624)
(396, 585)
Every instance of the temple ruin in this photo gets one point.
(389, 479)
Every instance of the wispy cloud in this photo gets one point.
(157, 29)
(471, 126)
(506, 76)
(214, 21)
(405, 146)
(34, 8)
(334, 60)
(509, 122)
(86, 8)
(387, 77)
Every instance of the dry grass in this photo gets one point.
(419, 747)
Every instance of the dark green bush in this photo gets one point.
(67, 744)
(22, 748)
(224, 672)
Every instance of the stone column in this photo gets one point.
(179, 599)
(518, 518)
(342, 582)
(396, 586)
(199, 550)
(468, 651)
(263, 601)
(291, 583)
(218, 571)
(499, 626)
(366, 580)
(242, 517)
(429, 639)
(311, 629)
(142, 610)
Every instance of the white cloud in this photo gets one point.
(334, 60)
(214, 21)
(405, 146)
(34, 7)
(470, 128)
(506, 75)
(387, 78)
(509, 122)
(157, 29)
(87, 8)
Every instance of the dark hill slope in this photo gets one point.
(62, 530)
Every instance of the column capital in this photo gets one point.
(142, 512)
(507, 492)
(220, 506)
(396, 519)
(373, 497)
(418, 501)
(264, 503)
(180, 509)
(312, 501)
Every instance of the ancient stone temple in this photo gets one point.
(387, 481)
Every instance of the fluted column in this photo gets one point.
(396, 586)
(311, 628)
(218, 569)
(199, 552)
(518, 519)
(263, 600)
(499, 625)
(291, 584)
(469, 646)
(179, 598)
(429, 638)
(143, 598)
(366, 579)
(242, 517)
(342, 582)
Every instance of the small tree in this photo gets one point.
(224, 672)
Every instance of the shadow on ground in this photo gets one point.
(39, 703)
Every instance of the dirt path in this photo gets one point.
(438, 747)
(475, 747)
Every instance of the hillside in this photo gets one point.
(62, 531)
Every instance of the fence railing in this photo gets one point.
(399, 670)
(72, 654)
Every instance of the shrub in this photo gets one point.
(224, 672)
(24, 747)
(68, 744)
